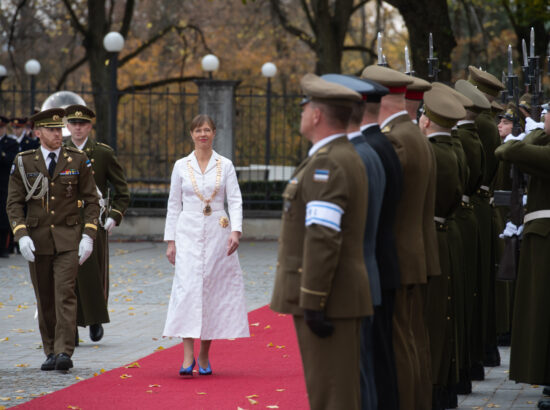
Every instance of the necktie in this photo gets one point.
(51, 167)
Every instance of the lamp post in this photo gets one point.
(210, 63)
(32, 68)
(268, 71)
(3, 75)
(113, 43)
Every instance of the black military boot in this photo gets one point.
(492, 356)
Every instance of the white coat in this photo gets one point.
(207, 299)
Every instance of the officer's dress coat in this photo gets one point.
(93, 276)
(530, 357)
(207, 299)
(388, 267)
(440, 306)
(27, 142)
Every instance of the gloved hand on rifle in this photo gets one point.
(511, 230)
(511, 137)
(316, 321)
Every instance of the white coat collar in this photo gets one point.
(211, 164)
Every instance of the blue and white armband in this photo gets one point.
(324, 213)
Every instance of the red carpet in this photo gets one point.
(263, 371)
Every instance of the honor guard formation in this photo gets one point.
(414, 239)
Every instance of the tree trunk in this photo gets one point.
(422, 17)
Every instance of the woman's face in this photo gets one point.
(203, 136)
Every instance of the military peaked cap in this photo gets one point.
(485, 81)
(326, 92)
(496, 107)
(4, 120)
(443, 108)
(396, 81)
(525, 101)
(18, 122)
(52, 118)
(465, 101)
(79, 113)
(469, 90)
(416, 90)
(371, 91)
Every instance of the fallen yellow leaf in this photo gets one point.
(125, 376)
(78, 378)
(73, 407)
(280, 347)
(252, 396)
(252, 401)
(154, 385)
(280, 390)
(5, 398)
(19, 398)
(267, 327)
(22, 365)
(273, 406)
(201, 393)
(159, 348)
(270, 344)
(20, 391)
(101, 370)
(255, 324)
(4, 339)
(135, 364)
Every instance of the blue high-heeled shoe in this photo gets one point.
(188, 371)
(205, 371)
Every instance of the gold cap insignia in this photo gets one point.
(224, 222)
(386, 129)
(55, 117)
(78, 114)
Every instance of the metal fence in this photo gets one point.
(153, 132)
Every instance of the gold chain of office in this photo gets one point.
(207, 209)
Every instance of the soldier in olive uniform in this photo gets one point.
(530, 360)
(469, 229)
(92, 284)
(321, 277)
(50, 181)
(485, 122)
(415, 236)
(441, 112)
(8, 151)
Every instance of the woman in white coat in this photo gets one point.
(207, 300)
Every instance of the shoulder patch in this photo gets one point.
(386, 129)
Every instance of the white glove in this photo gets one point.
(26, 246)
(85, 248)
(510, 230)
(109, 225)
(511, 137)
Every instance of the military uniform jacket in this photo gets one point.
(27, 143)
(108, 171)
(322, 268)
(414, 224)
(490, 139)
(53, 222)
(386, 250)
(475, 156)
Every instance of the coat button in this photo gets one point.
(52, 212)
(92, 160)
(448, 318)
(53, 198)
(300, 270)
(52, 183)
(52, 226)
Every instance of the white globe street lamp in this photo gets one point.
(210, 63)
(269, 70)
(3, 71)
(113, 42)
(32, 68)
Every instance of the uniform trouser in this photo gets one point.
(368, 386)
(5, 239)
(385, 374)
(53, 278)
(412, 350)
(331, 364)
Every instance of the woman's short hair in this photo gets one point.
(200, 120)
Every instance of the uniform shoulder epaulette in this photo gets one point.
(27, 152)
(101, 144)
(386, 129)
(323, 150)
(74, 149)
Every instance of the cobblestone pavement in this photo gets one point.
(141, 280)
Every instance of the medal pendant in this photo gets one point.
(207, 210)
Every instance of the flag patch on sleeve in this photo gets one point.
(88, 163)
(324, 213)
(321, 175)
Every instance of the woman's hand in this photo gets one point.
(233, 242)
(171, 252)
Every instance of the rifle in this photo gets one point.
(433, 62)
(509, 262)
